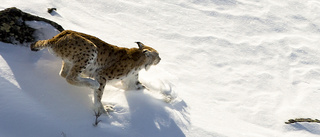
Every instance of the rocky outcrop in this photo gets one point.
(13, 28)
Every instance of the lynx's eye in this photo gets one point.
(144, 51)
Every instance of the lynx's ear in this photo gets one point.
(141, 46)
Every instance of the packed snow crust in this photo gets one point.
(236, 68)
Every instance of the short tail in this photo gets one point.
(39, 45)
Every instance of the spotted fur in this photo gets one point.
(90, 62)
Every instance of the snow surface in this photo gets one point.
(238, 68)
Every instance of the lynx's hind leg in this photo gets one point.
(85, 56)
(74, 78)
(65, 68)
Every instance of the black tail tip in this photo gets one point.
(35, 50)
(32, 47)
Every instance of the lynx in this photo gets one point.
(90, 62)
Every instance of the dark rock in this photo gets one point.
(13, 28)
(50, 10)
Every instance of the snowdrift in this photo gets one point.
(238, 68)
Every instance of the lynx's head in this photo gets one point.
(152, 55)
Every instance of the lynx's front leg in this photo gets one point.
(98, 107)
(132, 83)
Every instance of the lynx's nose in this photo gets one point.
(157, 61)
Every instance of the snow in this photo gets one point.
(237, 68)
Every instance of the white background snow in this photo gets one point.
(238, 68)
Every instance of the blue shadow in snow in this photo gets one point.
(152, 117)
(312, 128)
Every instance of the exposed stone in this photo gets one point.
(50, 10)
(13, 28)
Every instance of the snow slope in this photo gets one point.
(238, 68)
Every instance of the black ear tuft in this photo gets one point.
(140, 45)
